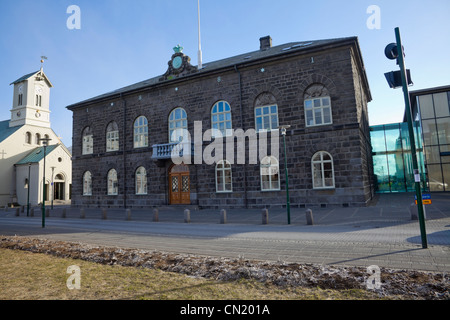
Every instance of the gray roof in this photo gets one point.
(25, 77)
(288, 48)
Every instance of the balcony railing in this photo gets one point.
(167, 150)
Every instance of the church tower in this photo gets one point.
(31, 101)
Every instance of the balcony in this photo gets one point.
(176, 149)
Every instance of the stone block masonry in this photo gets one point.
(285, 78)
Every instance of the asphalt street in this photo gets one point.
(381, 234)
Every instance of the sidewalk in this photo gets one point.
(382, 234)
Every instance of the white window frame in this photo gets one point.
(141, 181)
(112, 137)
(318, 159)
(221, 187)
(87, 184)
(113, 183)
(177, 125)
(270, 167)
(140, 132)
(221, 118)
(266, 113)
(317, 109)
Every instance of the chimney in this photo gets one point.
(265, 43)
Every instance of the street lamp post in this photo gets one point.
(45, 143)
(395, 51)
(28, 191)
(53, 186)
(288, 206)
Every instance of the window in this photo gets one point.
(28, 138)
(112, 137)
(88, 141)
(38, 100)
(141, 132)
(322, 170)
(177, 125)
(38, 139)
(269, 170)
(266, 118)
(318, 111)
(20, 99)
(223, 177)
(87, 184)
(112, 183)
(221, 118)
(141, 181)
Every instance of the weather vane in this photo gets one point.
(42, 61)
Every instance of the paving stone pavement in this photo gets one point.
(382, 233)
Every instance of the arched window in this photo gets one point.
(177, 125)
(113, 185)
(28, 138)
(141, 132)
(38, 139)
(221, 118)
(224, 181)
(87, 184)
(317, 103)
(269, 170)
(141, 181)
(266, 112)
(112, 137)
(88, 141)
(322, 170)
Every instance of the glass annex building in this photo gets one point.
(391, 146)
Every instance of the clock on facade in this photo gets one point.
(177, 62)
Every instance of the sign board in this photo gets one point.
(426, 198)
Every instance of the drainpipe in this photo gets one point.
(242, 127)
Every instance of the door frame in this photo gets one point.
(181, 173)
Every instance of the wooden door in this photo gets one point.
(179, 185)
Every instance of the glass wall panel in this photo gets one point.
(377, 139)
(426, 106)
(443, 128)
(435, 180)
(432, 154)
(429, 132)
(393, 138)
(441, 104)
(381, 171)
(446, 171)
(396, 173)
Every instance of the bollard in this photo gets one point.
(309, 217)
(413, 211)
(82, 214)
(223, 216)
(155, 215)
(265, 216)
(47, 212)
(23, 209)
(187, 216)
(63, 215)
(17, 212)
(32, 212)
(128, 214)
(104, 214)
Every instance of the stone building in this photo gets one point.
(126, 142)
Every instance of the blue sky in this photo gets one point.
(122, 42)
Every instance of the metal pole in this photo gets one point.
(53, 186)
(401, 63)
(287, 183)
(43, 190)
(29, 186)
(288, 206)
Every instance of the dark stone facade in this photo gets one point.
(286, 75)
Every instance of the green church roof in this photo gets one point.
(37, 154)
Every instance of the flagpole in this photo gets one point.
(199, 38)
